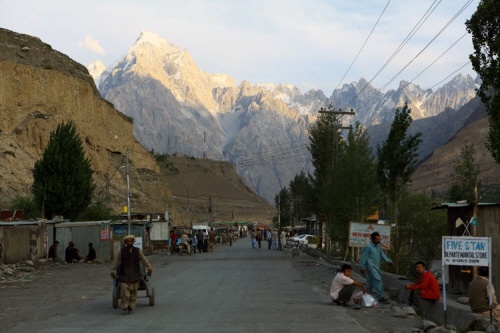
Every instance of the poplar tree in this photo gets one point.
(484, 26)
(465, 175)
(63, 183)
(358, 193)
(397, 159)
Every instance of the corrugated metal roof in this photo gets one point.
(82, 224)
(460, 205)
(40, 222)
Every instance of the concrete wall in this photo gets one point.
(21, 242)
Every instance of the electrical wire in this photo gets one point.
(362, 47)
(417, 26)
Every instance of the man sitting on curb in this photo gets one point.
(343, 287)
(426, 287)
(479, 293)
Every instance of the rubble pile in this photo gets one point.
(22, 271)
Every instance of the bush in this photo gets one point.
(97, 211)
(27, 204)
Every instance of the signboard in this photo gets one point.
(120, 231)
(138, 242)
(359, 234)
(104, 235)
(466, 251)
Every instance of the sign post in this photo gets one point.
(359, 234)
(466, 251)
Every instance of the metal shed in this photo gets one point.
(82, 233)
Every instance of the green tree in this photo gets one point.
(484, 26)
(465, 175)
(325, 141)
(283, 202)
(63, 183)
(27, 204)
(302, 196)
(420, 232)
(357, 192)
(397, 159)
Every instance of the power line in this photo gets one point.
(410, 82)
(362, 47)
(419, 24)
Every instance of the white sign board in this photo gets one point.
(138, 242)
(466, 251)
(359, 234)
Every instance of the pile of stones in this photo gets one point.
(14, 272)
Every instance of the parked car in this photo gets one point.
(305, 241)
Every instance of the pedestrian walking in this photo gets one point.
(275, 238)
(282, 239)
(269, 239)
(253, 236)
(205, 241)
(211, 239)
(258, 238)
(224, 237)
(199, 240)
(129, 273)
(370, 261)
(173, 242)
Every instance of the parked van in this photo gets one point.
(202, 227)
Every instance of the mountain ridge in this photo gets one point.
(176, 106)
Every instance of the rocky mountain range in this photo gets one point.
(260, 128)
(42, 87)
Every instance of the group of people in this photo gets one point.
(72, 254)
(426, 287)
(276, 239)
(205, 241)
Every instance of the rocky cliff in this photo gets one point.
(40, 88)
(260, 128)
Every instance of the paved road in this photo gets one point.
(234, 289)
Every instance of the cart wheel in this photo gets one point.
(303, 247)
(152, 297)
(115, 299)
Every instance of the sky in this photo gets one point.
(310, 44)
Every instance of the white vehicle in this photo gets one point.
(303, 241)
(202, 227)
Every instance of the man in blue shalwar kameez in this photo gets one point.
(370, 260)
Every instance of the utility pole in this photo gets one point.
(279, 211)
(335, 146)
(129, 195)
(189, 209)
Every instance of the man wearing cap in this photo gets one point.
(129, 273)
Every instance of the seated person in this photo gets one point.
(479, 294)
(53, 251)
(72, 254)
(426, 287)
(343, 286)
(92, 255)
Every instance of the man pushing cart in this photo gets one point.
(129, 276)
